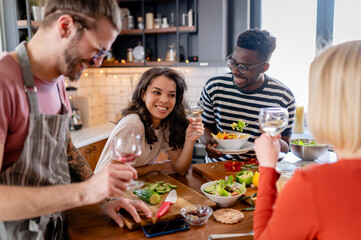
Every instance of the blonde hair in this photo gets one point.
(334, 111)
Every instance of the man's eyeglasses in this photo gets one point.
(241, 68)
(102, 53)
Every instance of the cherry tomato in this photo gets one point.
(233, 166)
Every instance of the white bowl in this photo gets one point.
(232, 144)
(222, 201)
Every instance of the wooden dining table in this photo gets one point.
(91, 222)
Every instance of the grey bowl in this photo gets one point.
(308, 153)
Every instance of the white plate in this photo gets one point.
(248, 146)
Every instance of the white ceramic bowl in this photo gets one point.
(222, 201)
(232, 144)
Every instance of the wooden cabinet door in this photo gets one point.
(92, 152)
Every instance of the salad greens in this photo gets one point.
(239, 126)
(302, 143)
(225, 188)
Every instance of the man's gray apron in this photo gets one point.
(43, 162)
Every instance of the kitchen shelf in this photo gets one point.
(159, 30)
(156, 41)
(134, 64)
(24, 24)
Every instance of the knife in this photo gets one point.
(170, 199)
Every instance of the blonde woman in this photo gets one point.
(323, 201)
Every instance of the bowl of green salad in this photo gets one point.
(308, 149)
(223, 192)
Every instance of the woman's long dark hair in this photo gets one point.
(176, 121)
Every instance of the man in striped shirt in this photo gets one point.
(239, 94)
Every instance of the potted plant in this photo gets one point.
(37, 9)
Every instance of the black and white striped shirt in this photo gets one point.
(225, 103)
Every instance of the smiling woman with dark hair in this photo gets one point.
(157, 113)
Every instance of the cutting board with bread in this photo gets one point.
(185, 196)
(216, 170)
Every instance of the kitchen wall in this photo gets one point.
(117, 84)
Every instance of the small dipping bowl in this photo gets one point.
(196, 215)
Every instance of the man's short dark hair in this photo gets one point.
(260, 40)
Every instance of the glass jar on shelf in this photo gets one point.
(138, 53)
(140, 23)
(130, 55)
(171, 54)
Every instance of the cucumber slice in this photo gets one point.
(153, 186)
(209, 189)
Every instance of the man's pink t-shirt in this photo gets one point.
(14, 106)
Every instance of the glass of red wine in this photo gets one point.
(126, 148)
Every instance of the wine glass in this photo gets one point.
(126, 148)
(273, 120)
(194, 109)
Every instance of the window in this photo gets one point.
(2, 31)
(293, 23)
(347, 20)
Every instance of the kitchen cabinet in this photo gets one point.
(92, 152)
(19, 25)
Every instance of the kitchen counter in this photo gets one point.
(86, 136)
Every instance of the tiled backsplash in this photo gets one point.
(117, 84)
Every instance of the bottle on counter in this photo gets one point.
(299, 119)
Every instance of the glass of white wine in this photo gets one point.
(126, 149)
(273, 120)
(194, 109)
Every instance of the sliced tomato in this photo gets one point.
(235, 193)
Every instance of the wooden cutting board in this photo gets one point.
(215, 171)
(185, 196)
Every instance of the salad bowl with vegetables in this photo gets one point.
(232, 140)
(308, 149)
(224, 192)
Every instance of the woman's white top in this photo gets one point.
(131, 124)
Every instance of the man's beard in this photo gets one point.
(72, 62)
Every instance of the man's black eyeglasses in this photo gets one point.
(241, 68)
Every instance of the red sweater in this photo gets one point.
(319, 202)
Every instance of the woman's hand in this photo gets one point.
(195, 129)
(166, 167)
(267, 149)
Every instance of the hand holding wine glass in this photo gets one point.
(194, 110)
(126, 148)
(273, 120)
